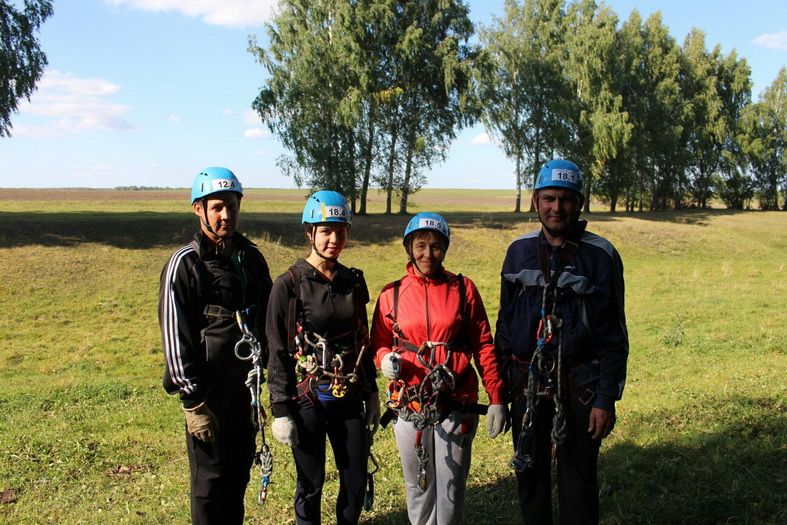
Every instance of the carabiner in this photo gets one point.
(246, 340)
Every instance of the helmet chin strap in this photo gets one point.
(415, 264)
(206, 223)
(315, 250)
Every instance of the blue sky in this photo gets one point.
(148, 92)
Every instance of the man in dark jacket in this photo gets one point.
(207, 288)
(562, 333)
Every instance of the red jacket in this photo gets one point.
(429, 310)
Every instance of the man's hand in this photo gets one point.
(496, 418)
(601, 422)
(201, 422)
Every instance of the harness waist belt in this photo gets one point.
(467, 407)
(218, 311)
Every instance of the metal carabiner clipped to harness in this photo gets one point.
(254, 380)
(247, 340)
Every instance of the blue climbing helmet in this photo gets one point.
(427, 221)
(326, 206)
(558, 173)
(214, 180)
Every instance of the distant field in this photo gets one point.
(87, 435)
(256, 199)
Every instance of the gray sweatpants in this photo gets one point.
(449, 447)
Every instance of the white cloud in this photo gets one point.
(256, 133)
(251, 117)
(174, 118)
(483, 138)
(773, 40)
(67, 105)
(232, 13)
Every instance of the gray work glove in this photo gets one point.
(201, 422)
(496, 417)
(390, 366)
(372, 418)
(284, 431)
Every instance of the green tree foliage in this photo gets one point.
(600, 123)
(764, 139)
(706, 128)
(734, 83)
(372, 92)
(521, 89)
(22, 61)
(308, 99)
(352, 83)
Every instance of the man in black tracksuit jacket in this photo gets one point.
(202, 286)
(583, 369)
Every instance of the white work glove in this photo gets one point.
(201, 422)
(496, 417)
(372, 418)
(284, 431)
(390, 365)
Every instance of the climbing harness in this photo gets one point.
(427, 403)
(545, 372)
(248, 348)
(422, 405)
(318, 361)
(545, 376)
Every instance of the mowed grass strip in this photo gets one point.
(89, 436)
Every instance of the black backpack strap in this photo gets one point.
(200, 273)
(294, 289)
(360, 296)
(396, 285)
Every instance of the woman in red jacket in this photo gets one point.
(428, 326)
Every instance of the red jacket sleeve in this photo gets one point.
(381, 333)
(483, 347)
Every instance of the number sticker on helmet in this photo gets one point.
(432, 224)
(333, 212)
(564, 175)
(222, 184)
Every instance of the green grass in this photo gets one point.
(87, 435)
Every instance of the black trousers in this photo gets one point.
(343, 424)
(220, 470)
(577, 466)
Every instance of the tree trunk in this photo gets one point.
(536, 165)
(367, 169)
(588, 193)
(518, 205)
(407, 172)
(391, 165)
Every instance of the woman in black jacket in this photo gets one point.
(321, 376)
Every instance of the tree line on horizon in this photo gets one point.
(371, 93)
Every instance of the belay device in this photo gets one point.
(255, 379)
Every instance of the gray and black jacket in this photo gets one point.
(589, 301)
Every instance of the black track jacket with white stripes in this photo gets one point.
(199, 348)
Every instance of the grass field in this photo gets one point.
(87, 434)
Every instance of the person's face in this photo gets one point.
(223, 212)
(558, 209)
(329, 239)
(428, 253)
